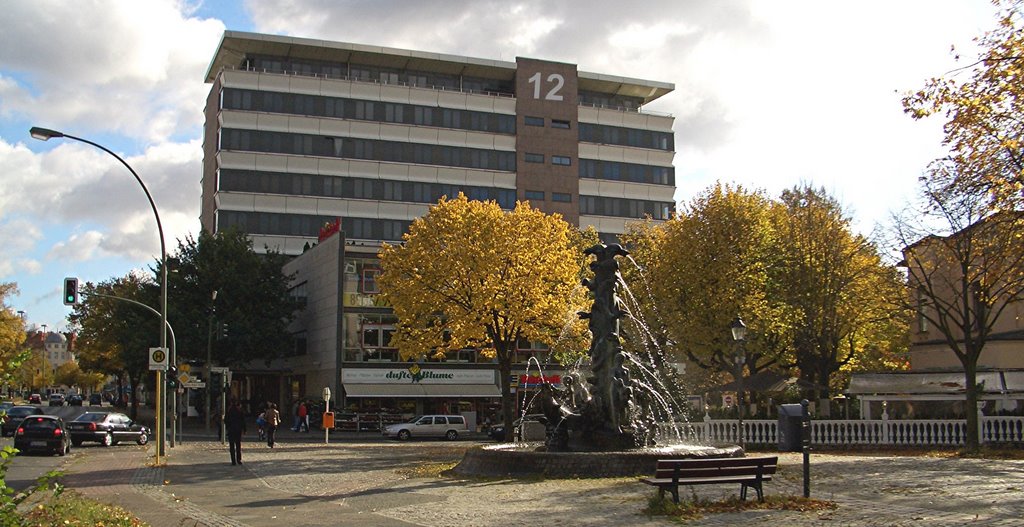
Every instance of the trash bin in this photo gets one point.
(791, 427)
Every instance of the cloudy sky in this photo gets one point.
(769, 94)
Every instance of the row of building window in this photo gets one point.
(539, 195)
(539, 121)
(617, 135)
(261, 182)
(365, 73)
(385, 112)
(337, 107)
(394, 151)
(555, 160)
(615, 171)
(369, 149)
(420, 79)
(625, 208)
(308, 225)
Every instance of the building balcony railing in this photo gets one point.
(437, 88)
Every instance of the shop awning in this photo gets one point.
(923, 383)
(421, 390)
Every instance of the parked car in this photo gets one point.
(42, 433)
(75, 400)
(106, 428)
(14, 416)
(6, 405)
(446, 426)
(35, 398)
(95, 400)
(532, 423)
(56, 399)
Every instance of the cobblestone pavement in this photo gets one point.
(370, 482)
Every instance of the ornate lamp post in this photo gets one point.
(739, 334)
(44, 134)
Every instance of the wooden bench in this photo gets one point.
(747, 471)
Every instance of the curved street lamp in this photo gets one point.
(44, 134)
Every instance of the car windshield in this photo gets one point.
(20, 411)
(39, 423)
(91, 417)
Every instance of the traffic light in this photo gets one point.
(172, 376)
(70, 291)
(223, 330)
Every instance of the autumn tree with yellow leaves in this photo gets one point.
(13, 351)
(470, 275)
(813, 294)
(983, 104)
(707, 264)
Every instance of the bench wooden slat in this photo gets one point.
(748, 472)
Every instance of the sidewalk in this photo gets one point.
(360, 479)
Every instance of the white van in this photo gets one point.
(446, 426)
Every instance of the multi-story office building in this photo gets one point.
(302, 132)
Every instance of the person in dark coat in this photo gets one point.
(234, 422)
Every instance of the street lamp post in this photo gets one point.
(209, 357)
(44, 134)
(739, 333)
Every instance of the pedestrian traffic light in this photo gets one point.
(70, 291)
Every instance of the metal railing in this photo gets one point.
(869, 432)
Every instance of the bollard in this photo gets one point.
(806, 440)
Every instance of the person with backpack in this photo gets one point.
(273, 418)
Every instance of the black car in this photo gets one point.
(95, 400)
(14, 416)
(75, 400)
(42, 433)
(497, 432)
(106, 428)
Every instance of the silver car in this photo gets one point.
(446, 426)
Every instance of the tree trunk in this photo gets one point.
(507, 397)
(971, 442)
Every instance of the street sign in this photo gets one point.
(158, 359)
(183, 378)
(193, 384)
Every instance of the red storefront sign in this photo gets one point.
(534, 380)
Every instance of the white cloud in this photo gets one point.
(77, 248)
(134, 68)
(17, 236)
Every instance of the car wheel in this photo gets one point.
(404, 435)
(452, 435)
(108, 439)
(142, 439)
(64, 449)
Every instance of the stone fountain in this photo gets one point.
(603, 421)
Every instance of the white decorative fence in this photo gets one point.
(878, 432)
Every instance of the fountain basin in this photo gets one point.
(525, 460)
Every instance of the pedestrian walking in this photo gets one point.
(303, 417)
(234, 423)
(273, 418)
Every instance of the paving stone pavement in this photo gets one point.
(367, 481)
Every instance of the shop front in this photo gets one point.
(377, 396)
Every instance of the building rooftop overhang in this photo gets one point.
(236, 45)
